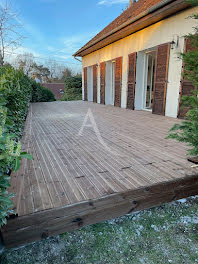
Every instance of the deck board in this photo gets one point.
(69, 169)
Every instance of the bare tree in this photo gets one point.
(26, 63)
(53, 67)
(10, 37)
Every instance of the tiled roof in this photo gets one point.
(129, 13)
(56, 88)
(137, 9)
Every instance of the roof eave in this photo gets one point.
(153, 15)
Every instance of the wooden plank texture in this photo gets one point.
(102, 83)
(77, 180)
(118, 81)
(131, 80)
(95, 83)
(161, 78)
(186, 86)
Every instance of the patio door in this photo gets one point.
(109, 82)
(90, 84)
(150, 74)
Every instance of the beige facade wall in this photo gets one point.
(159, 33)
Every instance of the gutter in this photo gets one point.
(132, 20)
(77, 59)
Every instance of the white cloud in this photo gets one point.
(22, 50)
(50, 48)
(11, 54)
(75, 42)
(112, 2)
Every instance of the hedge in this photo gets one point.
(16, 93)
(73, 89)
(41, 94)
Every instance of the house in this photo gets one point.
(135, 61)
(56, 88)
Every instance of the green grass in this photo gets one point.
(166, 234)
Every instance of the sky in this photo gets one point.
(58, 28)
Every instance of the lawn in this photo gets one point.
(166, 234)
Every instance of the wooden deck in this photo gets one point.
(75, 180)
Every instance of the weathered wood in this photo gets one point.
(102, 83)
(95, 83)
(193, 160)
(77, 180)
(118, 81)
(131, 80)
(186, 86)
(161, 78)
(52, 222)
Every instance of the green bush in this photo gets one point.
(16, 93)
(73, 89)
(10, 157)
(187, 131)
(15, 96)
(16, 89)
(35, 91)
(41, 94)
(46, 95)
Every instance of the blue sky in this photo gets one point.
(58, 28)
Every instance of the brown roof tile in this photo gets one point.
(136, 9)
(129, 13)
(56, 89)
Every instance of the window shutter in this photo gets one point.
(102, 83)
(186, 86)
(118, 81)
(85, 84)
(131, 80)
(161, 78)
(95, 83)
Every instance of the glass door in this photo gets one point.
(113, 82)
(150, 72)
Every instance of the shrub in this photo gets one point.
(16, 89)
(16, 93)
(35, 91)
(41, 94)
(10, 157)
(73, 89)
(187, 131)
(15, 96)
(46, 95)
